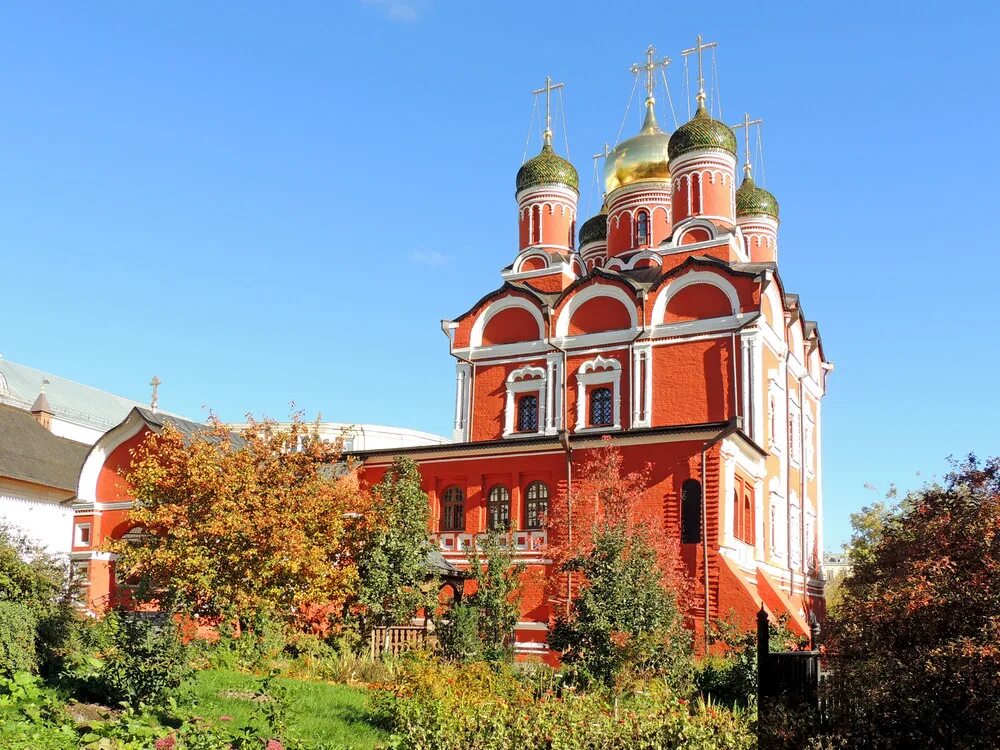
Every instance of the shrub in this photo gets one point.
(459, 633)
(17, 638)
(448, 707)
(147, 661)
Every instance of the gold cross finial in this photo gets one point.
(650, 70)
(698, 48)
(747, 122)
(547, 89)
(154, 401)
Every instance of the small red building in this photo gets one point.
(670, 329)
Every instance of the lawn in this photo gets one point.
(327, 715)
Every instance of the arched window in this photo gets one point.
(498, 509)
(748, 535)
(572, 235)
(453, 510)
(695, 187)
(691, 512)
(641, 228)
(536, 225)
(536, 510)
(600, 407)
(527, 414)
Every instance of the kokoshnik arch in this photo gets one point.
(669, 328)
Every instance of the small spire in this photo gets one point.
(41, 410)
(154, 401)
(649, 125)
(698, 48)
(547, 89)
(747, 122)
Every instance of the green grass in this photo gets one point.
(320, 713)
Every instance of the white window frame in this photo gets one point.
(78, 535)
(598, 371)
(525, 380)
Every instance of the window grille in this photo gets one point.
(537, 506)
(498, 509)
(600, 407)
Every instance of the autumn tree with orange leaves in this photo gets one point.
(242, 525)
(624, 575)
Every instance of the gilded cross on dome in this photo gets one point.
(547, 89)
(650, 69)
(747, 122)
(698, 48)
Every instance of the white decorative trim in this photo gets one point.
(463, 397)
(598, 371)
(593, 292)
(527, 379)
(476, 335)
(689, 279)
(86, 491)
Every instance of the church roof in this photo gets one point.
(31, 453)
(69, 400)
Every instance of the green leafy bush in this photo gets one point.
(458, 634)
(147, 660)
(451, 707)
(17, 638)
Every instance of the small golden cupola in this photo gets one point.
(637, 177)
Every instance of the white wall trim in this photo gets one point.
(498, 306)
(690, 279)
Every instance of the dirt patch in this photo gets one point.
(245, 695)
(84, 713)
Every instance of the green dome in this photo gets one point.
(753, 201)
(702, 132)
(546, 168)
(595, 229)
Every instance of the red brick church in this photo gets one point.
(663, 322)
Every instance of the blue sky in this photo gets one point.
(267, 204)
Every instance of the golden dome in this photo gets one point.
(642, 157)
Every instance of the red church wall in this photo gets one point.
(693, 382)
(552, 282)
(111, 487)
(510, 326)
(599, 314)
(696, 302)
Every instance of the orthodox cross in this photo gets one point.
(154, 402)
(604, 154)
(45, 382)
(547, 89)
(747, 122)
(698, 48)
(650, 69)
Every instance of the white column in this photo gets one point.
(635, 387)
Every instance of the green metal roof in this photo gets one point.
(702, 132)
(546, 168)
(754, 201)
(594, 229)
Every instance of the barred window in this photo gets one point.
(498, 509)
(537, 506)
(600, 407)
(527, 414)
(453, 510)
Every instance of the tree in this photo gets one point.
(392, 563)
(241, 525)
(625, 615)
(498, 580)
(919, 619)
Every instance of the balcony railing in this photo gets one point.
(527, 541)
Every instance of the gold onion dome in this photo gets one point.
(595, 229)
(754, 201)
(702, 132)
(547, 168)
(641, 158)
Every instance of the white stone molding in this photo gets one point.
(527, 379)
(524, 257)
(617, 264)
(689, 279)
(463, 397)
(598, 371)
(476, 335)
(642, 385)
(592, 292)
